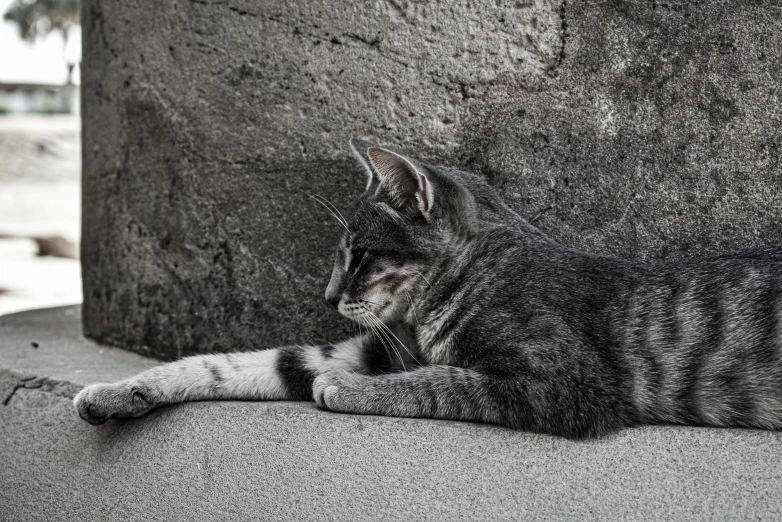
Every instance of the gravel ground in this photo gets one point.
(40, 176)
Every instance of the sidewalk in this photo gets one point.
(289, 461)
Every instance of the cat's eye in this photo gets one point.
(355, 259)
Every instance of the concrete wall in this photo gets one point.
(642, 129)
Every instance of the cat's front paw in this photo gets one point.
(98, 403)
(334, 390)
(323, 383)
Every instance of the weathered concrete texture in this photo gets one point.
(643, 129)
(660, 138)
(289, 461)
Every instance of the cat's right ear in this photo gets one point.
(360, 148)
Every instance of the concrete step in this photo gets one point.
(289, 461)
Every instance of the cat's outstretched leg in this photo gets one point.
(438, 392)
(448, 392)
(274, 374)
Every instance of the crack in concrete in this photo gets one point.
(65, 389)
(399, 9)
(540, 213)
(242, 12)
(98, 22)
(21, 384)
(562, 32)
(372, 43)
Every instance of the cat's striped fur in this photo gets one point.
(471, 313)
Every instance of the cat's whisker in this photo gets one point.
(412, 307)
(340, 221)
(395, 337)
(382, 340)
(335, 211)
(422, 276)
(334, 207)
(380, 331)
(360, 332)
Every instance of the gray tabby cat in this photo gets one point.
(473, 314)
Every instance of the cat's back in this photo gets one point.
(703, 340)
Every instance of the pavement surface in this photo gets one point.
(289, 461)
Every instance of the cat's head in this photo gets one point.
(407, 228)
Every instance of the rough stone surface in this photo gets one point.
(643, 129)
(289, 461)
(660, 137)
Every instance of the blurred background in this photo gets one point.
(40, 154)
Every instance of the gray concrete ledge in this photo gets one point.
(289, 461)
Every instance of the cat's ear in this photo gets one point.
(402, 181)
(360, 148)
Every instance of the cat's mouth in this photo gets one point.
(363, 310)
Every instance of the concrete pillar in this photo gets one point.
(641, 129)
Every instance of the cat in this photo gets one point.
(473, 314)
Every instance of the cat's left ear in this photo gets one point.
(360, 148)
(402, 181)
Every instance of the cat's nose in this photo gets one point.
(333, 300)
